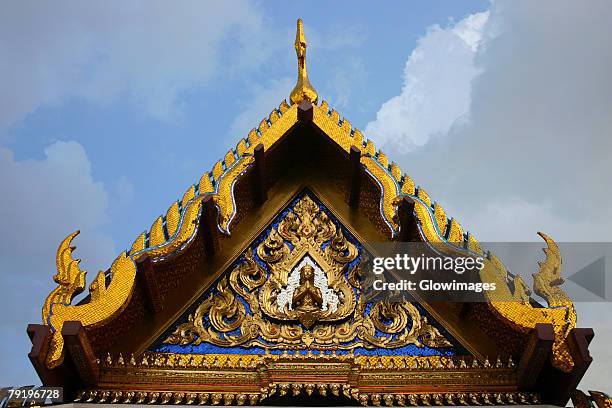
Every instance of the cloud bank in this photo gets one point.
(139, 50)
(530, 123)
(42, 202)
(505, 117)
(437, 86)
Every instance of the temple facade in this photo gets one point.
(250, 290)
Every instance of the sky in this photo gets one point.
(501, 109)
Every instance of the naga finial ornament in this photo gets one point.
(516, 308)
(69, 277)
(303, 90)
(104, 303)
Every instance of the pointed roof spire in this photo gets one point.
(303, 89)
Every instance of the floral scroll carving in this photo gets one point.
(299, 288)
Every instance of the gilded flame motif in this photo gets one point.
(303, 89)
(251, 306)
(515, 307)
(106, 301)
(69, 277)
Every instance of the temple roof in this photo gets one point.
(213, 200)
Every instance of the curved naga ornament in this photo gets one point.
(297, 289)
(514, 306)
(69, 277)
(105, 301)
(181, 226)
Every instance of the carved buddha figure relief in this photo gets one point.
(307, 297)
(302, 292)
(307, 293)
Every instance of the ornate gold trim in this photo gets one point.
(238, 379)
(364, 362)
(303, 89)
(434, 225)
(450, 399)
(515, 307)
(101, 396)
(269, 315)
(69, 277)
(106, 302)
(432, 221)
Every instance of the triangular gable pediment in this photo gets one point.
(298, 287)
(276, 307)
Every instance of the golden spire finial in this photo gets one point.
(303, 89)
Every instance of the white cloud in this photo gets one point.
(437, 86)
(515, 137)
(141, 50)
(42, 201)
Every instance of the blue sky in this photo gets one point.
(111, 111)
(147, 160)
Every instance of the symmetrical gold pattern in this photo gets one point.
(102, 396)
(179, 228)
(240, 379)
(255, 378)
(367, 363)
(275, 324)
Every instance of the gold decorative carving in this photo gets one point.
(547, 281)
(268, 133)
(303, 89)
(225, 192)
(105, 301)
(367, 399)
(307, 228)
(433, 224)
(69, 277)
(172, 218)
(211, 378)
(515, 308)
(156, 235)
(331, 313)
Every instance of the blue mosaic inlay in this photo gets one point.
(208, 348)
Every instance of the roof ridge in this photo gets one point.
(174, 230)
(166, 227)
